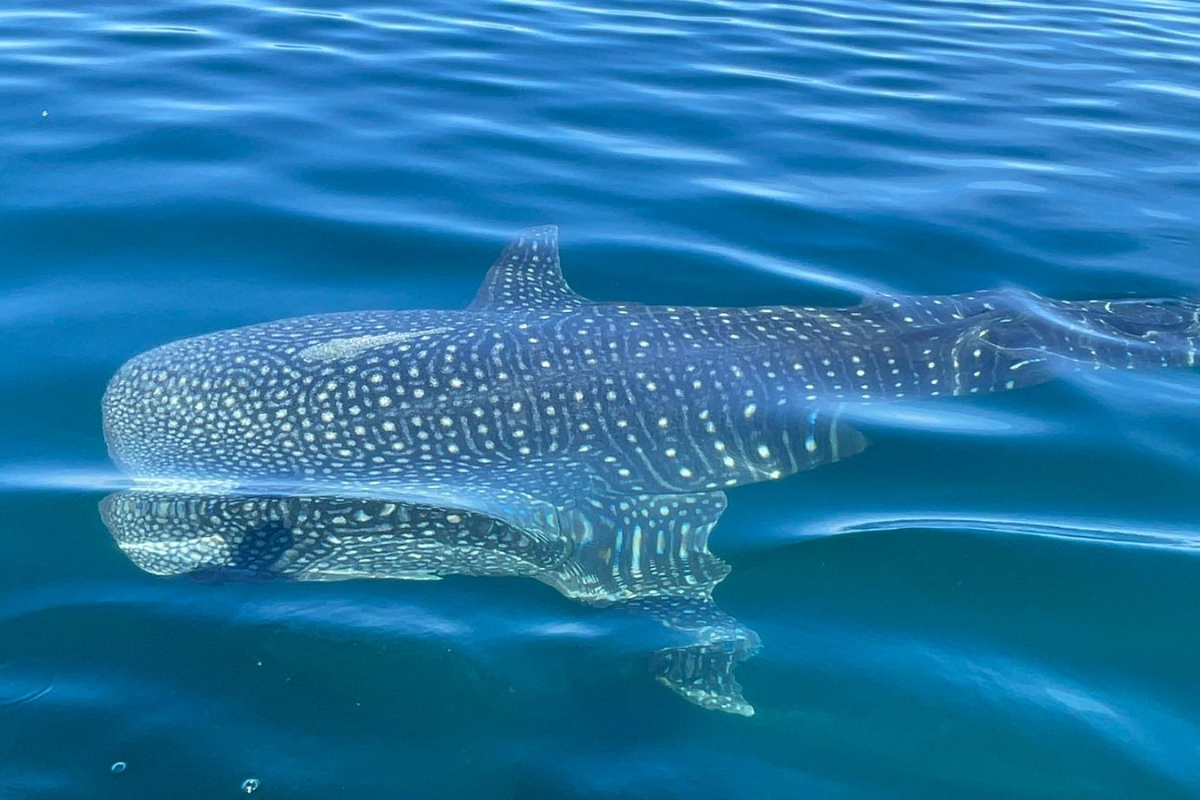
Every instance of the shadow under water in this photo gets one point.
(647, 556)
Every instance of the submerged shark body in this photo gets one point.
(534, 404)
(667, 575)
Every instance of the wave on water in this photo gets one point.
(1114, 532)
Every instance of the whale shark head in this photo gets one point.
(168, 412)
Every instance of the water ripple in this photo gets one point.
(23, 682)
(1107, 532)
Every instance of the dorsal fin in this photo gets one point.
(527, 276)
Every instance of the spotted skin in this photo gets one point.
(535, 388)
(647, 555)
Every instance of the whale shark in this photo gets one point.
(565, 419)
(535, 389)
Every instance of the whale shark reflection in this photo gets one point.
(649, 559)
(588, 445)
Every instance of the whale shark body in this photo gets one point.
(567, 419)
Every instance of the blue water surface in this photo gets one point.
(1011, 605)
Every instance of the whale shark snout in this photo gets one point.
(138, 404)
(169, 412)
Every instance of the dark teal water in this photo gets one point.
(1011, 605)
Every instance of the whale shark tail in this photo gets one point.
(1052, 336)
(1008, 339)
(1135, 333)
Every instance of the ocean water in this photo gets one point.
(998, 598)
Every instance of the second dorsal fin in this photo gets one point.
(527, 276)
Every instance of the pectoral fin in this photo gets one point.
(703, 674)
(628, 548)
